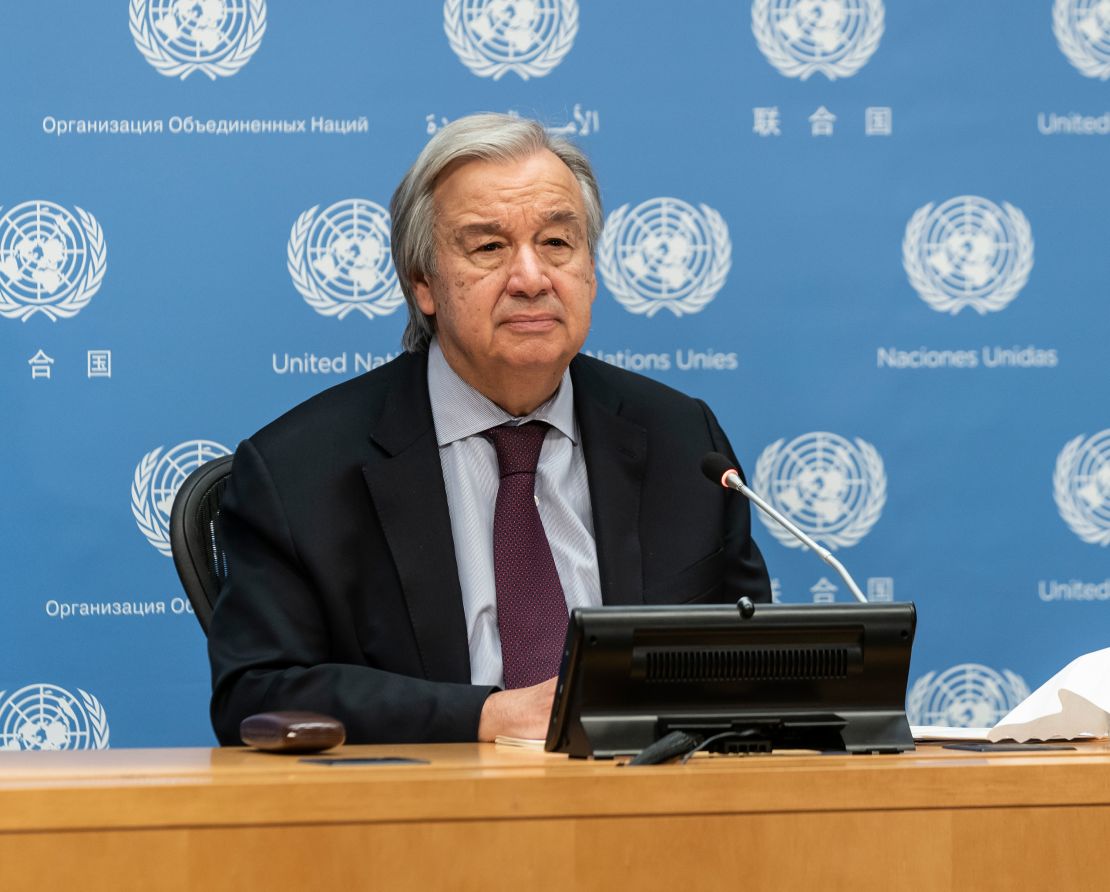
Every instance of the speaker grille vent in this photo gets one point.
(672, 665)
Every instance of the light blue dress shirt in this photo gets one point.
(460, 414)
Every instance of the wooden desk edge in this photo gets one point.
(166, 789)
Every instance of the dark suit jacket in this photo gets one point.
(343, 594)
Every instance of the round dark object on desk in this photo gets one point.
(292, 732)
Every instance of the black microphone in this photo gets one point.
(722, 471)
(717, 468)
(669, 746)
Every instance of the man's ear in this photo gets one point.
(422, 291)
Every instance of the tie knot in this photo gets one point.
(518, 446)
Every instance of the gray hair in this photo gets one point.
(485, 137)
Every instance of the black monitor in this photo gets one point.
(766, 676)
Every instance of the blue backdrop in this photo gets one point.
(872, 236)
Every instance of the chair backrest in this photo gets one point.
(195, 537)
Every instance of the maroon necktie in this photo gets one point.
(531, 609)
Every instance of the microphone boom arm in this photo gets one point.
(732, 480)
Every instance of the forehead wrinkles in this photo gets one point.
(523, 183)
(500, 201)
(513, 217)
(516, 194)
(510, 219)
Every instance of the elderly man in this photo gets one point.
(404, 548)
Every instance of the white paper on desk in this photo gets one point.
(943, 732)
(528, 743)
(1074, 703)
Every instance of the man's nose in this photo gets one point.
(528, 273)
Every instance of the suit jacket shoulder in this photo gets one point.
(634, 392)
(354, 408)
(664, 533)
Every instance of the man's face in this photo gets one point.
(515, 277)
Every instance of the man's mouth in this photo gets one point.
(531, 323)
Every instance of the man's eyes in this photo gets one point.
(494, 247)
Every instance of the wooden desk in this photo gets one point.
(486, 817)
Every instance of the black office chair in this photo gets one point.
(195, 538)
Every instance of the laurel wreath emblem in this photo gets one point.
(927, 701)
(98, 720)
(859, 51)
(320, 301)
(94, 710)
(168, 65)
(866, 515)
(917, 697)
(1081, 524)
(632, 299)
(480, 64)
(141, 506)
(145, 511)
(1078, 51)
(936, 297)
(81, 293)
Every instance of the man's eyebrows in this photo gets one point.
(494, 227)
(491, 227)
(563, 216)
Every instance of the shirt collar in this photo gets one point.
(459, 411)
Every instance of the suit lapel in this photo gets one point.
(615, 450)
(406, 484)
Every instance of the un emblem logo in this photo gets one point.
(339, 260)
(1082, 29)
(833, 489)
(968, 252)
(969, 695)
(1081, 485)
(664, 253)
(178, 37)
(47, 717)
(158, 477)
(803, 37)
(51, 261)
(528, 37)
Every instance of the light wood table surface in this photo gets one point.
(480, 816)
